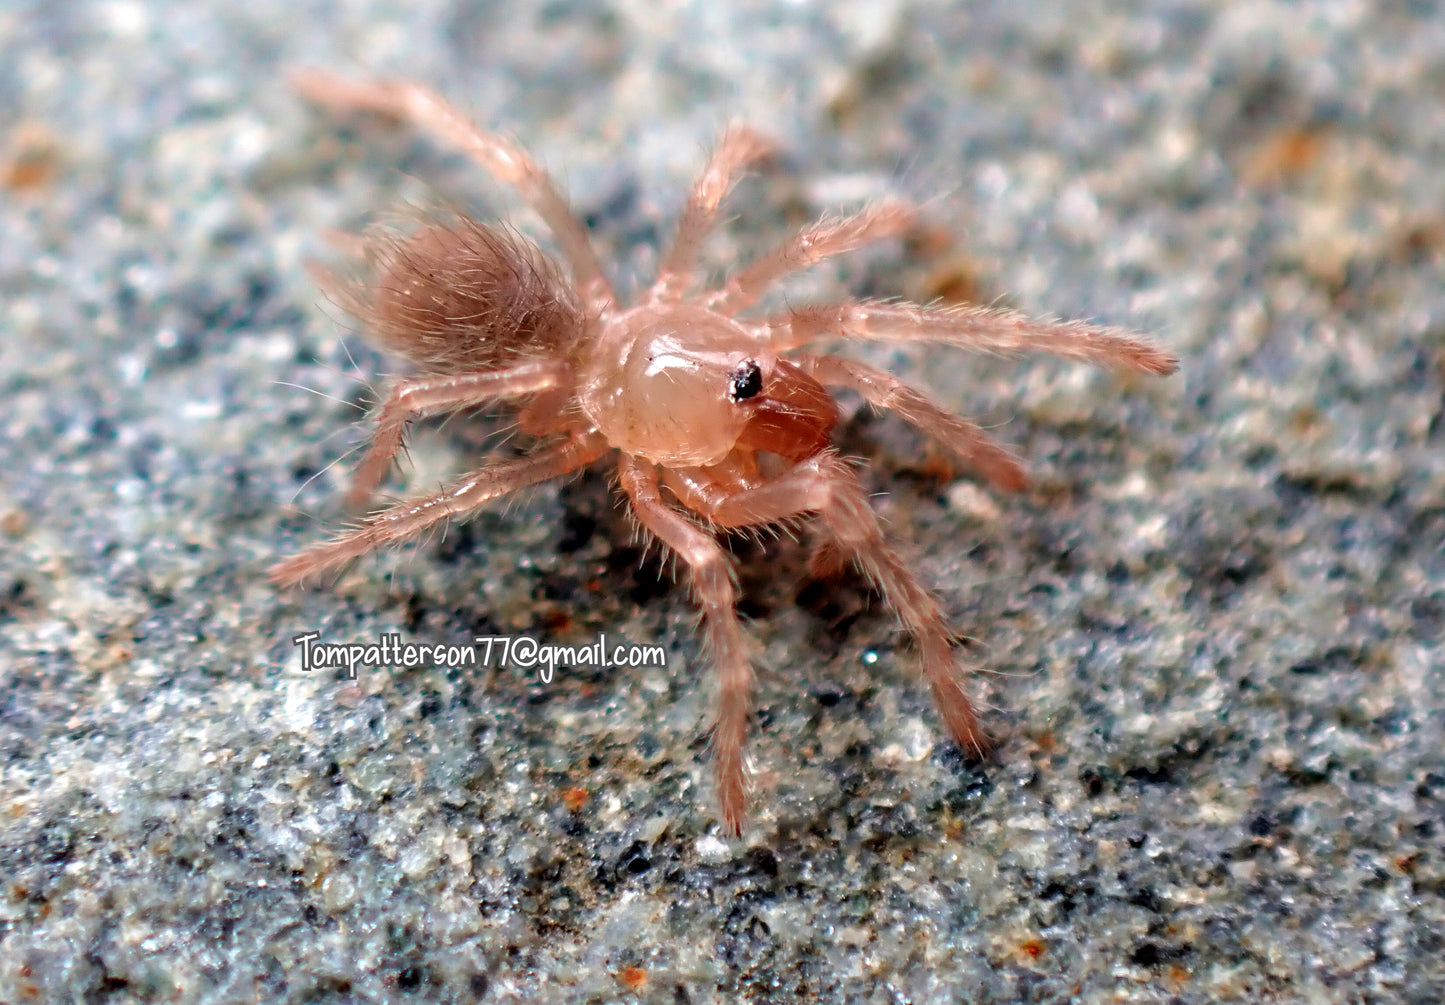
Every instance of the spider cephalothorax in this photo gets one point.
(688, 393)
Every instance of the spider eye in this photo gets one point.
(746, 381)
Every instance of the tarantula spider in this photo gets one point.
(715, 420)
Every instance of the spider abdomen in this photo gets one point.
(459, 295)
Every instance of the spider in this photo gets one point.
(714, 418)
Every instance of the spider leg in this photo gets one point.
(739, 147)
(426, 110)
(825, 485)
(984, 329)
(418, 397)
(712, 582)
(883, 390)
(807, 248)
(410, 518)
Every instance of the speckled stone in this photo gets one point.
(1211, 633)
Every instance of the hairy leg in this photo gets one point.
(883, 390)
(825, 485)
(984, 329)
(712, 582)
(418, 397)
(425, 109)
(407, 519)
(807, 248)
(738, 148)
